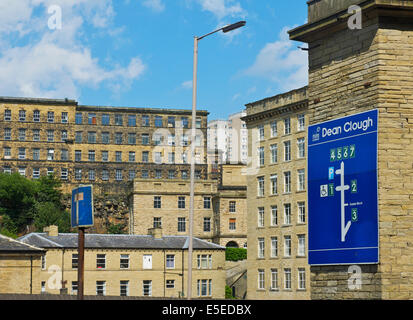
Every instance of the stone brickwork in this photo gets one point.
(352, 71)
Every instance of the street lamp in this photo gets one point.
(225, 29)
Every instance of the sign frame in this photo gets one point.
(311, 261)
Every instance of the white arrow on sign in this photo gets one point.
(342, 188)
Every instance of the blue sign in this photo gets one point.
(342, 191)
(82, 207)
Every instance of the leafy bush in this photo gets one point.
(113, 228)
(235, 254)
(228, 293)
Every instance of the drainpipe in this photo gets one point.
(31, 274)
(164, 271)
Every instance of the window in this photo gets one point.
(181, 202)
(261, 132)
(118, 138)
(92, 174)
(274, 215)
(287, 278)
(171, 122)
(301, 212)
(184, 174)
(301, 148)
(50, 116)
(74, 287)
(181, 224)
(22, 171)
(147, 288)
(132, 156)
(197, 174)
(261, 248)
(301, 278)
(261, 156)
(118, 120)
(147, 261)
(75, 260)
(261, 217)
(232, 224)
(274, 247)
(145, 156)
(65, 117)
(7, 153)
(274, 131)
(131, 138)
(287, 126)
(36, 116)
(131, 175)
(22, 135)
(287, 213)
(36, 135)
(6, 169)
(158, 121)
(78, 155)
(287, 151)
(50, 171)
(274, 184)
(301, 122)
(105, 175)
(118, 156)
(198, 123)
(105, 137)
(158, 174)
(207, 224)
(232, 206)
(260, 191)
(184, 157)
(274, 153)
(78, 174)
(22, 115)
(287, 182)
(124, 288)
(105, 119)
(184, 140)
(204, 287)
(105, 156)
(261, 279)
(7, 115)
(91, 155)
(157, 139)
(131, 121)
(274, 279)
(301, 245)
(170, 284)
(78, 118)
(145, 121)
(118, 175)
(64, 174)
(207, 202)
(171, 174)
(170, 261)
(101, 261)
(184, 121)
(157, 204)
(287, 246)
(100, 288)
(124, 261)
(145, 139)
(7, 134)
(63, 135)
(171, 140)
(78, 137)
(22, 153)
(43, 286)
(204, 261)
(50, 135)
(91, 137)
(300, 180)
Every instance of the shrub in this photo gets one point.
(235, 254)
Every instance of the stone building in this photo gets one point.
(19, 267)
(277, 197)
(103, 146)
(219, 207)
(352, 70)
(152, 265)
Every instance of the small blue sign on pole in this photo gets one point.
(342, 191)
(82, 207)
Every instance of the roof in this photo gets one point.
(24, 100)
(9, 245)
(116, 241)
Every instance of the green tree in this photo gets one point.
(113, 228)
(48, 189)
(8, 227)
(47, 213)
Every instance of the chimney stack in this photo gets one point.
(155, 232)
(52, 231)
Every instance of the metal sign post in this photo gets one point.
(81, 217)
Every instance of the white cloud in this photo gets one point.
(222, 8)
(58, 63)
(155, 5)
(187, 84)
(281, 62)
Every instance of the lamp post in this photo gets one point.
(225, 29)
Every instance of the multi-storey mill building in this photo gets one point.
(277, 197)
(103, 146)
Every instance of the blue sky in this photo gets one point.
(139, 53)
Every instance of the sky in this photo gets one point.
(139, 53)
